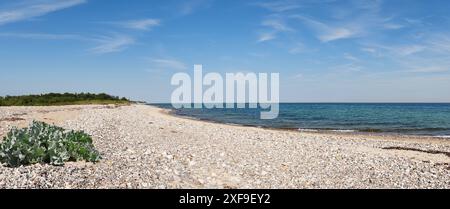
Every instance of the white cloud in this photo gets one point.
(46, 36)
(190, 6)
(408, 50)
(355, 19)
(30, 9)
(144, 24)
(369, 50)
(429, 69)
(393, 26)
(439, 43)
(438, 63)
(351, 57)
(347, 68)
(297, 48)
(405, 50)
(110, 44)
(105, 44)
(414, 21)
(279, 6)
(327, 33)
(370, 5)
(395, 50)
(276, 24)
(169, 64)
(332, 34)
(266, 37)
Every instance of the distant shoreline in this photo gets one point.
(314, 131)
(368, 135)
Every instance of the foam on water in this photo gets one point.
(307, 130)
(344, 131)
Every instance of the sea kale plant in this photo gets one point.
(44, 143)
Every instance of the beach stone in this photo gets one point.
(144, 147)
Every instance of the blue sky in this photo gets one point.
(324, 50)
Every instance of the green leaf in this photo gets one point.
(44, 143)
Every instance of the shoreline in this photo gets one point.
(143, 146)
(376, 136)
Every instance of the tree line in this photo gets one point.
(61, 99)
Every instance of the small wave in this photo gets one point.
(317, 130)
(307, 130)
(344, 131)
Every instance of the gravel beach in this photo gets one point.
(145, 147)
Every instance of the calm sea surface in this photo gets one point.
(409, 119)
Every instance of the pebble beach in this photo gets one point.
(144, 146)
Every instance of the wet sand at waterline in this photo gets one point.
(144, 147)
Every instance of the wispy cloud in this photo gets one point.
(298, 76)
(276, 24)
(396, 50)
(43, 36)
(297, 48)
(416, 21)
(369, 50)
(429, 69)
(190, 6)
(327, 33)
(263, 37)
(142, 24)
(169, 64)
(279, 6)
(347, 68)
(439, 43)
(349, 20)
(332, 34)
(428, 56)
(350, 57)
(104, 44)
(110, 44)
(393, 26)
(352, 65)
(407, 50)
(31, 9)
(371, 5)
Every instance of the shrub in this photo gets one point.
(61, 99)
(44, 143)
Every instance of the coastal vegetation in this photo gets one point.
(53, 99)
(44, 143)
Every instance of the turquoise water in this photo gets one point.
(409, 119)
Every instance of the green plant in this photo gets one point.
(61, 99)
(44, 143)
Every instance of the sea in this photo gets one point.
(420, 119)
